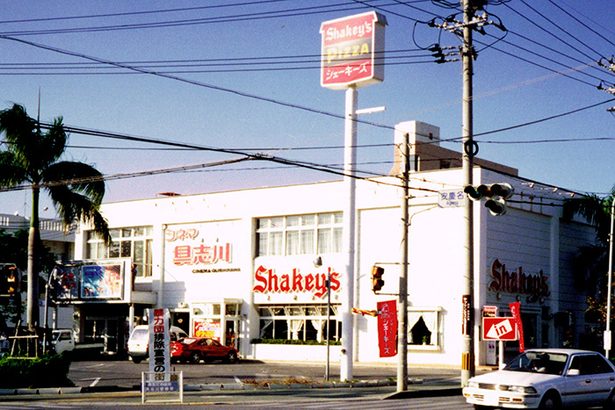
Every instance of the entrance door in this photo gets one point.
(103, 330)
(232, 333)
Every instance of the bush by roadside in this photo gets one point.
(46, 371)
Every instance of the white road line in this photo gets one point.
(95, 382)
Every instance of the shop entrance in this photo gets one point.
(106, 331)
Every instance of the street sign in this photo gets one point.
(453, 198)
(499, 328)
(490, 311)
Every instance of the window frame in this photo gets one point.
(437, 323)
(301, 234)
(124, 240)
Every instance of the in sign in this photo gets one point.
(499, 328)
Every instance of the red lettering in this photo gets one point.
(267, 281)
(259, 276)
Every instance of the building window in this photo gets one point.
(298, 322)
(129, 242)
(424, 326)
(299, 234)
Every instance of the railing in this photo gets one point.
(24, 347)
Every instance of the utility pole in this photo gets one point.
(402, 334)
(468, 152)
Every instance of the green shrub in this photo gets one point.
(46, 371)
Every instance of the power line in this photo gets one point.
(296, 12)
(552, 34)
(141, 12)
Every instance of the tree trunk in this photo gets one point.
(33, 269)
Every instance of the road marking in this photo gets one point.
(95, 382)
(237, 380)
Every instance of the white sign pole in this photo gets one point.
(348, 233)
(501, 355)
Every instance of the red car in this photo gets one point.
(195, 349)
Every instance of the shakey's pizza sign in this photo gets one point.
(295, 282)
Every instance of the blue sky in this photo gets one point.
(543, 67)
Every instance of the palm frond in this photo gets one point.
(77, 177)
(72, 206)
(11, 174)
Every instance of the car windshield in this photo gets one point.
(538, 362)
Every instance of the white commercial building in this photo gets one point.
(239, 265)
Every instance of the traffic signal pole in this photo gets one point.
(468, 152)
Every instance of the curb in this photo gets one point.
(418, 388)
(42, 390)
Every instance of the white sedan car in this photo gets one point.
(546, 379)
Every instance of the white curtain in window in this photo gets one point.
(320, 326)
(429, 317)
(307, 242)
(292, 243)
(295, 328)
(276, 241)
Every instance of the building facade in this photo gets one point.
(240, 265)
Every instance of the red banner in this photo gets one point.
(515, 310)
(387, 328)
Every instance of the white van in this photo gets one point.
(138, 342)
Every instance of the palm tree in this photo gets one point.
(76, 189)
(591, 261)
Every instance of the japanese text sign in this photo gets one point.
(387, 328)
(352, 50)
(515, 310)
(159, 341)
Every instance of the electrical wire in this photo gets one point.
(558, 38)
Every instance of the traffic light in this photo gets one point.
(497, 195)
(9, 280)
(377, 282)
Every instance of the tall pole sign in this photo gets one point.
(352, 51)
(352, 56)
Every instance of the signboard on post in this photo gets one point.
(352, 50)
(159, 341)
(499, 328)
(387, 328)
(515, 309)
(454, 198)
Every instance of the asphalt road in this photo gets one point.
(125, 374)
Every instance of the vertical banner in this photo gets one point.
(466, 315)
(159, 341)
(387, 328)
(515, 309)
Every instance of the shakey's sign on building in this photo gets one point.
(535, 286)
(352, 50)
(293, 285)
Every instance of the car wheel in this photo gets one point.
(481, 407)
(135, 359)
(232, 357)
(609, 404)
(195, 357)
(551, 400)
